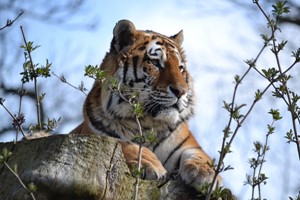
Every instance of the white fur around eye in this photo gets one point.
(155, 52)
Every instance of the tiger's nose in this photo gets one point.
(178, 92)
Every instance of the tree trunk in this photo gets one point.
(69, 167)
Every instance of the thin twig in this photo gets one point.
(239, 123)
(14, 119)
(288, 98)
(62, 79)
(20, 181)
(224, 147)
(37, 98)
(276, 51)
(223, 152)
(136, 184)
(10, 22)
(262, 161)
(20, 108)
(252, 183)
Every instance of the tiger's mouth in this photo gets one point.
(159, 108)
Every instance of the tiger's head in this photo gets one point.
(153, 67)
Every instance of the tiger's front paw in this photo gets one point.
(195, 172)
(152, 169)
(149, 170)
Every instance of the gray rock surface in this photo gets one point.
(70, 167)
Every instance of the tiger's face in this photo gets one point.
(152, 67)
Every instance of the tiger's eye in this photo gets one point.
(155, 62)
(181, 68)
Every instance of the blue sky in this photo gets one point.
(219, 36)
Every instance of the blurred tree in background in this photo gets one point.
(62, 14)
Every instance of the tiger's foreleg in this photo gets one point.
(195, 165)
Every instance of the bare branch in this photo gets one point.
(10, 22)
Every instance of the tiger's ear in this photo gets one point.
(178, 38)
(124, 32)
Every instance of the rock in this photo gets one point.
(69, 167)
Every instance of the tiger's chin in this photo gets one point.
(169, 115)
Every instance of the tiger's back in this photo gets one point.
(152, 68)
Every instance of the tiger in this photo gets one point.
(153, 67)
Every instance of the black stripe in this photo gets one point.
(97, 124)
(146, 57)
(176, 148)
(135, 62)
(131, 83)
(163, 137)
(166, 135)
(171, 45)
(109, 102)
(125, 71)
(153, 54)
(120, 100)
(142, 48)
(155, 146)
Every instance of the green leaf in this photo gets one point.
(271, 129)
(32, 187)
(258, 146)
(250, 62)
(296, 55)
(15, 168)
(270, 73)
(237, 79)
(227, 132)
(114, 83)
(95, 72)
(29, 47)
(138, 109)
(227, 149)
(228, 168)
(290, 136)
(277, 94)
(147, 137)
(137, 173)
(281, 45)
(227, 106)
(51, 124)
(5, 154)
(266, 38)
(43, 71)
(280, 8)
(203, 189)
(258, 95)
(275, 114)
